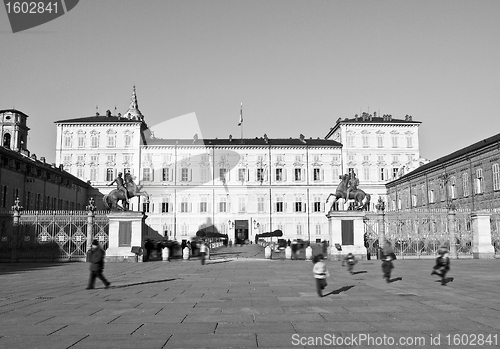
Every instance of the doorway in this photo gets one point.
(240, 231)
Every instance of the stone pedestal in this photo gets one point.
(346, 228)
(481, 239)
(267, 252)
(309, 253)
(126, 229)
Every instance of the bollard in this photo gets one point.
(309, 253)
(166, 254)
(207, 253)
(185, 253)
(288, 252)
(268, 252)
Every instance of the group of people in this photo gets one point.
(320, 271)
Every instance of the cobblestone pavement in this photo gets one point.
(241, 300)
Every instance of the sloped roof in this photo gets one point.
(377, 120)
(246, 142)
(13, 111)
(98, 119)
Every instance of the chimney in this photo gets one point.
(265, 138)
(42, 159)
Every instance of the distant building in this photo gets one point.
(466, 179)
(378, 149)
(38, 185)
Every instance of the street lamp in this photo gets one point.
(230, 224)
(256, 224)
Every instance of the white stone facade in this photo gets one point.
(377, 149)
(247, 186)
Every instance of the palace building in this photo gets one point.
(241, 186)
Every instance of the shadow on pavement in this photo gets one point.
(342, 289)
(399, 278)
(143, 283)
(217, 262)
(15, 268)
(359, 272)
(446, 280)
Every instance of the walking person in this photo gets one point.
(96, 259)
(387, 257)
(148, 246)
(203, 252)
(320, 274)
(442, 265)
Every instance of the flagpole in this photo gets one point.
(240, 124)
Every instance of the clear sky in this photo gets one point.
(297, 66)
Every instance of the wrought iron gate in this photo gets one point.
(52, 235)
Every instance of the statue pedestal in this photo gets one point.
(126, 229)
(346, 228)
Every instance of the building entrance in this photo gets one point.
(240, 231)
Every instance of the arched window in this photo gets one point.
(6, 140)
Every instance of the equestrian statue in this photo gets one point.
(348, 190)
(125, 190)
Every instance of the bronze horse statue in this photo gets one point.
(111, 200)
(359, 199)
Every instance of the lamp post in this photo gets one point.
(91, 207)
(450, 206)
(17, 208)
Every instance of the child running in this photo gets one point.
(320, 273)
(350, 260)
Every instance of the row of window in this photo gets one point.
(36, 201)
(224, 206)
(452, 189)
(95, 140)
(350, 141)
(186, 174)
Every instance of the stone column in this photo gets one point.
(481, 236)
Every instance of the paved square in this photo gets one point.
(241, 300)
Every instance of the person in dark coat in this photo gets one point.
(148, 246)
(442, 265)
(387, 257)
(96, 259)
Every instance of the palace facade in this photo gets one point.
(241, 186)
